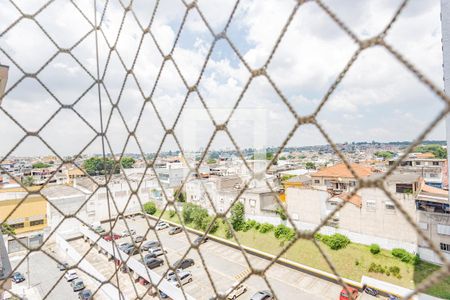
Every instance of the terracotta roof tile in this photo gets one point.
(341, 170)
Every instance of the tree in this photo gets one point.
(310, 165)
(211, 161)
(237, 219)
(150, 208)
(198, 216)
(100, 166)
(28, 181)
(384, 154)
(127, 162)
(40, 165)
(188, 209)
(179, 195)
(437, 150)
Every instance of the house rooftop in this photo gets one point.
(61, 191)
(341, 171)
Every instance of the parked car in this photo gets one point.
(183, 278)
(71, 275)
(132, 250)
(137, 239)
(124, 246)
(371, 291)
(235, 292)
(111, 236)
(99, 230)
(175, 230)
(344, 295)
(17, 277)
(262, 295)
(171, 273)
(154, 263)
(393, 297)
(200, 240)
(161, 225)
(149, 245)
(77, 285)
(183, 263)
(162, 295)
(128, 233)
(85, 295)
(63, 266)
(155, 252)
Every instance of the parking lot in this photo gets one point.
(41, 274)
(225, 266)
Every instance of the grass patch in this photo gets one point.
(351, 262)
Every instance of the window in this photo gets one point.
(371, 205)
(17, 225)
(417, 163)
(389, 205)
(445, 247)
(443, 229)
(316, 181)
(433, 175)
(423, 226)
(37, 222)
(435, 163)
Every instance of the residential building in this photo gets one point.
(25, 213)
(424, 164)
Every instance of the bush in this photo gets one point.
(257, 226)
(284, 233)
(336, 241)
(150, 208)
(188, 209)
(228, 233)
(198, 215)
(172, 213)
(392, 270)
(249, 224)
(205, 224)
(266, 227)
(375, 249)
(405, 256)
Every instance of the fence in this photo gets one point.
(106, 109)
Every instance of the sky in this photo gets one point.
(378, 99)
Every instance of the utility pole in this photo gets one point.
(445, 23)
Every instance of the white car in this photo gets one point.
(184, 277)
(71, 275)
(155, 252)
(236, 291)
(161, 226)
(171, 274)
(128, 233)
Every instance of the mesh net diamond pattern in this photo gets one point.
(107, 88)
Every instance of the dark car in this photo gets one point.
(132, 250)
(17, 277)
(111, 236)
(85, 295)
(149, 245)
(175, 230)
(162, 295)
(154, 263)
(63, 266)
(371, 291)
(183, 263)
(262, 295)
(200, 240)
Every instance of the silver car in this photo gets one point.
(183, 278)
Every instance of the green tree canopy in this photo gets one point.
(100, 166)
(28, 181)
(127, 162)
(310, 165)
(384, 154)
(237, 218)
(437, 150)
(179, 195)
(40, 165)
